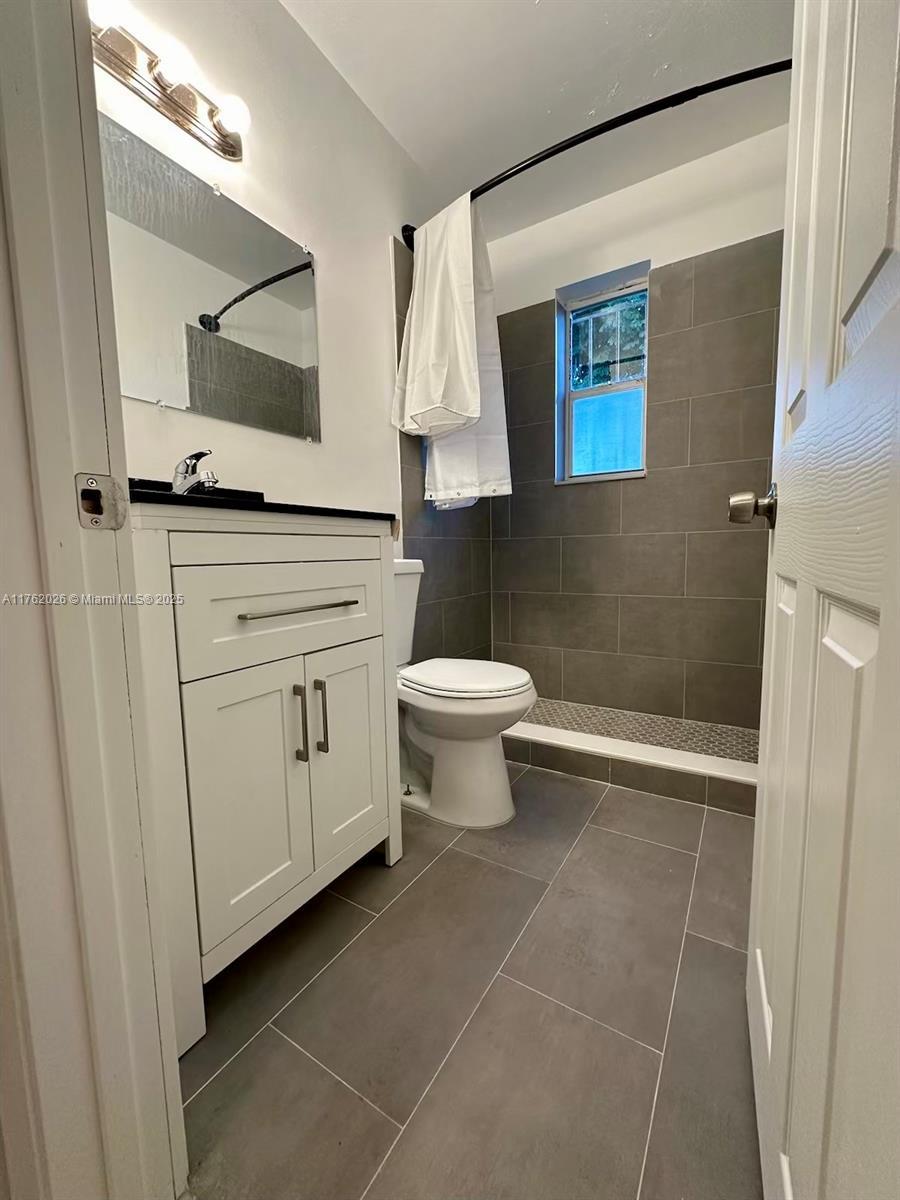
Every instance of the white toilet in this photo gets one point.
(452, 712)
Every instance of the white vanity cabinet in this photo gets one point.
(269, 712)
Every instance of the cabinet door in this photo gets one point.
(249, 792)
(347, 759)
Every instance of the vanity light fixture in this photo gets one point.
(159, 79)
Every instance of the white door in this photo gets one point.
(89, 1095)
(824, 968)
(347, 757)
(248, 781)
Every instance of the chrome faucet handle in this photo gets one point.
(187, 478)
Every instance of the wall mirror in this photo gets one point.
(195, 330)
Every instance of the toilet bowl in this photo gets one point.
(452, 713)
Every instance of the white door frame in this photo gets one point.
(89, 1096)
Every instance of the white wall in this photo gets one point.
(726, 197)
(319, 167)
(159, 288)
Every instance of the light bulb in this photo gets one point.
(108, 13)
(176, 63)
(234, 115)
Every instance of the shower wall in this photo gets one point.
(637, 594)
(453, 618)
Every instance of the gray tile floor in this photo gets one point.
(675, 733)
(553, 1010)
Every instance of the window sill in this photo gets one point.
(606, 477)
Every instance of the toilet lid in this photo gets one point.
(471, 678)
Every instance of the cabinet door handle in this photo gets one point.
(319, 685)
(289, 612)
(302, 751)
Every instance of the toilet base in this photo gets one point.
(459, 783)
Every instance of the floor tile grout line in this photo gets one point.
(662, 1061)
(333, 1074)
(647, 841)
(579, 1013)
(493, 862)
(659, 795)
(473, 1012)
(313, 978)
(347, 900)
(716, 942)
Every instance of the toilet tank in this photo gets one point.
(407, 573)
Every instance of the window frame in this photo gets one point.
(568, 397)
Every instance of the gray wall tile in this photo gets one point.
(428, 633)
(500, 630)
(500, 516)
(732, 796)
(526, 564)
(484, 653)
(689, 499)
(577, 622)
(545, 508)
(623, 681)
(732, 425)
(516, 750)
(570, 762)
(544, 666)
(723, 693)
(528, 335)
(531, 394)
(680, 785)
(671, 297)
(411, 451)
(448, 567)
(640, 564)
(481, 564)
(712, 327)
(691, 628)
(667, 433)
(532, 452)
(727, 564)
(467, 623)
(720, 357)
(738, 279)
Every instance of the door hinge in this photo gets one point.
(100, 501)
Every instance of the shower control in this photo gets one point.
(744, 506)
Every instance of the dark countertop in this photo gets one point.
(154, 491)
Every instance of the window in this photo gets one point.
(605, 384)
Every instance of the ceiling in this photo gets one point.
(470, 87)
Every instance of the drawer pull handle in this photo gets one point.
(289, 612)
(302, 752)
(319, 685)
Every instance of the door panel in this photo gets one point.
(823, 978)
(249, 793)
(842, 700)
(348, 768)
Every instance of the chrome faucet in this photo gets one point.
(188, 479)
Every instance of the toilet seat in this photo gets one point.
(465, 678)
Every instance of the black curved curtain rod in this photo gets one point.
(210, 321)
(626, 118)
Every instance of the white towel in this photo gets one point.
(450, 382)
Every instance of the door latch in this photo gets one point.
(100, 502)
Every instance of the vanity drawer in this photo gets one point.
(238, 616)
